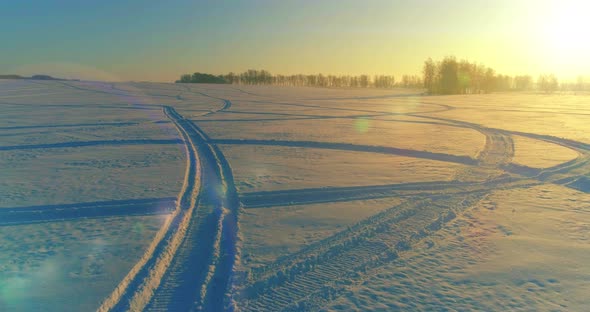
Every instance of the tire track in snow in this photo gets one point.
(200, 275)
(190, 263)
(307, 279)
(465, 160)
(100, 209)
(226, 103)
(266, 199)
(502, 138)
(321, 272)
(89, 143)
(291, 197)
(80, 125)
(136, 288)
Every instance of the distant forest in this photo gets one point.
(263, 77)
(448, 76)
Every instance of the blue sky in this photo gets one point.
(159, 40)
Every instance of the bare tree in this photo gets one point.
(547, 83)
(429, 72)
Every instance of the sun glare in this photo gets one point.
(566, 31)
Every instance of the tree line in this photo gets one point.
(450, 76)
(581, 84)
(447, 76)
(264, 77)
(200, 78)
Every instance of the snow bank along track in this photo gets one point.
(189, 264)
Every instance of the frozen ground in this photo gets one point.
(132, 196)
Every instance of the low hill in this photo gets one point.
(11, 77)
(35, 77)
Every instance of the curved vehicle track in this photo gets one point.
(200, 273)
(307, 279)
(321, 272)
(190, 263)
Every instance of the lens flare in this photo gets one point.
(361, 125)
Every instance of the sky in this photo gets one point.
(153, 40)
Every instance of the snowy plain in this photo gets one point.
(305, 199)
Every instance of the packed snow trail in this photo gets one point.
(99, 209)
(465, 160)
(134, 290)
(199, 275)
(189, 264)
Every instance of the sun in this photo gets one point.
(566, 30)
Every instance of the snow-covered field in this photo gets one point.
(131, 196)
